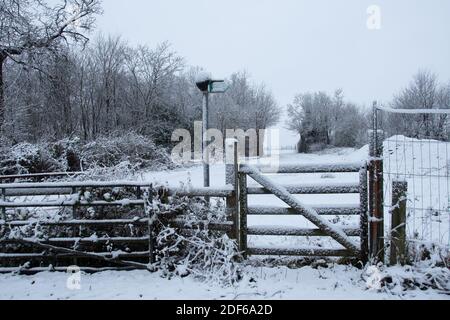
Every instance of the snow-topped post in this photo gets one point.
(364, 220)
(231, 176)
(243, 212)
(376, 194)
(398, 226)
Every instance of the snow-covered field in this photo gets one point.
(339, 282)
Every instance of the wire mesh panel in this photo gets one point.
(416, 150)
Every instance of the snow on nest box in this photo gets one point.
(203, 80)
(206, 84)
(202, 77)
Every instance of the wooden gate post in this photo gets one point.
(364, 222)
(243, 212)
(376, 222)
(398, 231)
(148, 208)
(232, 170)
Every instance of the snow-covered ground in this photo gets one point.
(339, 282)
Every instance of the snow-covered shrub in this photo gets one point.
(136, 149)
(122, 171)
(26, 158)
(398, 280)
(192, 248)
(68, 153)
(123, 154)
(429, 253)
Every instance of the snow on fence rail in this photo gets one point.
(319, 168)
(39, 176)
(330, 188)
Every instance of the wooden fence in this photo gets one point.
(138, 250)
(60, 252)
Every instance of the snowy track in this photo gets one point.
(339, 282)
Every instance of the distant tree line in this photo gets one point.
(324, 120)
(424, 92)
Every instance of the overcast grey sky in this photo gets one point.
(295, 46)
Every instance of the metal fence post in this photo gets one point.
(398, 232)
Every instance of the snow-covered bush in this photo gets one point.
(136, 149)
(429, 253)
(68, 153)
(397, 280)
(123, 154)
(28, 158)
(191, 248)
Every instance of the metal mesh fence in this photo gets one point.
(416, 150)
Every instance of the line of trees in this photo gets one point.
(424, 92)
(324, 120)
(55, 89)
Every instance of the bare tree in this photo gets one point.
(30, 27)
(424, 92)
(325, 120)
(245, 106)
(153, 73)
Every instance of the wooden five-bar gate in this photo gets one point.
(134, 250)
(353, 241)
